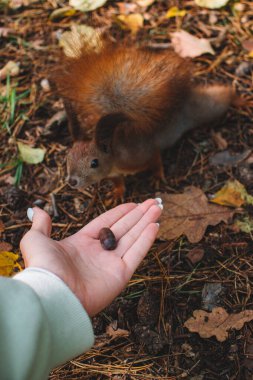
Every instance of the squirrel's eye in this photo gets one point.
(94, 163)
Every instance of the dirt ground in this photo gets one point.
(167, 288)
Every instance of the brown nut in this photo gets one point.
(107, 239)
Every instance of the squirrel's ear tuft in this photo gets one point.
(105, 130)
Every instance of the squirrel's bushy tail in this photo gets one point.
(206, 104)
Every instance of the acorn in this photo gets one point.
(107, 239)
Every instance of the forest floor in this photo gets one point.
(142, 334)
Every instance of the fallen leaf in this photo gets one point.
(190, 213)
(195, 255)
(15, 4)
(245, 225)
(219, 140)
(211, 4)
(225, 158)
(232, 194)
(86, 5)
(175, 12)
(4, 246)
(134, 21)
(31, 155)
(248, 44)
(187, 45)
(73, 41)
(116, 333)
(126, 8)
(211, 294)
(11, 68)
(4, 32)
(62, 13)
(217, 323)
(145, 3)
(8, 264)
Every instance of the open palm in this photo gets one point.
(95, 275)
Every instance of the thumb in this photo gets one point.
(41, 221)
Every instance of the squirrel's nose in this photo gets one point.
(73, 181)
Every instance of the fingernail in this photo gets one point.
(158, 225)
(30, 214)
(161, 206)
(159, 201)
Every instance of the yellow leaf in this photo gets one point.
(133, 21)
(61, 13)
(174, 12)
(8, 263)
(232, 194)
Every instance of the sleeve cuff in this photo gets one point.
(70, 325)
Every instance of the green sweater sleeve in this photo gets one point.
(42, 325)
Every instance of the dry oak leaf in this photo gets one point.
(187, 45)
(118, 333)
(217, 323)
(190, 214)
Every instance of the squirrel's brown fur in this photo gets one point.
(136, 102)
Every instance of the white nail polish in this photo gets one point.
(159, 201)
(30, 214)
(161, 206)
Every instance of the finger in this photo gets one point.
(41, 221)
(140, 248)
(125, 224)
(151, 216)
(107, 219)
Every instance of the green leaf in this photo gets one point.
(31, 155)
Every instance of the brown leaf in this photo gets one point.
(217, 323)
(187, 45)
(4, 246)
(219, 140)
(248, 44)
(116, 333)
(190, 214)
(195, 255)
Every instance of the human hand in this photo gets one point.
(95, 275)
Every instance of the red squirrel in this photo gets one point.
(136, 102)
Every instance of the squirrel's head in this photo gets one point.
(86, 164)
(89, 162)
